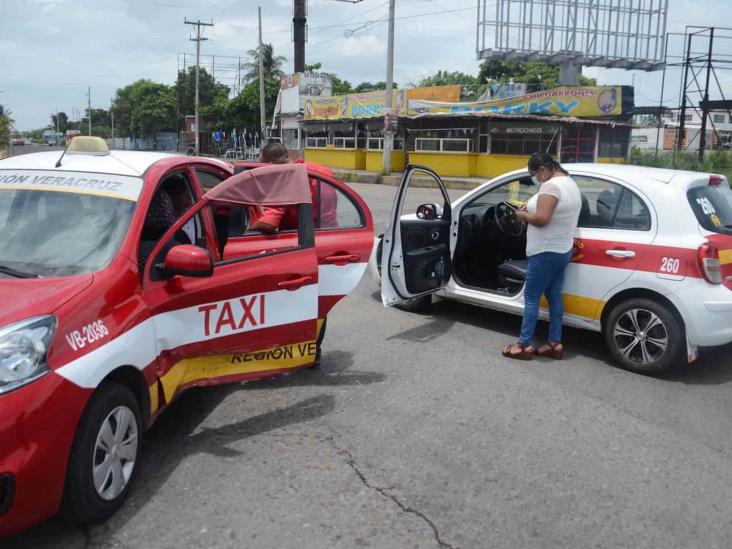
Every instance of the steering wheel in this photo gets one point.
(506, 220)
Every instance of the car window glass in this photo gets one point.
(422, 189)
(712, 205)
(173, 197)
(335, 209)
(54, 233)
(514, 191)
(607, 205)
(207, 179)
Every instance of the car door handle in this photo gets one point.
(295, 283)
(620, 254)
(342, 258)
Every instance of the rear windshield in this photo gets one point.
(712, 205)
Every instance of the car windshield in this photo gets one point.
(61, 232)
(712, 205)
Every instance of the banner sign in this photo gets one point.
(371, 104)
(523, 128)
(579, 101)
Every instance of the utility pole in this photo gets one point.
(111, 114)
(262, 119)
(705, 112)
(88, 96)
(198, 39)
(299, 23)
(389, 94)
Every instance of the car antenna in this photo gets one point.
(58, 163)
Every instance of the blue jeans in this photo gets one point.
(544, 275)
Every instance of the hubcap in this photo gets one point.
(640, 336)
(115, 453)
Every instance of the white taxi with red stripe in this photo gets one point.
(124, 283)
(652, 264)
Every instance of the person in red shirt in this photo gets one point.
(324, 202)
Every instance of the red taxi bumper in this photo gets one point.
(37, 426)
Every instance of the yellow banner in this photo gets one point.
(580, 101)
(371, 104)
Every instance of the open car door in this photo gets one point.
(415, 254)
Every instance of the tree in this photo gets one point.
(154, 108)
(373, 86)
(272, 64)
(243, 110)
(471, 86)
(63, 121)
(314, 67)
(212, 96)
(537, 76)
(6, 125)
(144, 108)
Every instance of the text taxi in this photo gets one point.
(652, 264)
(123, 284)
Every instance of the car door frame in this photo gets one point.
(300, 330)
(393, 286)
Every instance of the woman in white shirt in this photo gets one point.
(552, 215)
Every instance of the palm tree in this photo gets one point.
(272, 64)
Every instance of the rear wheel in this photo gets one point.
(103, 460)
(416, 305)
(644, 336)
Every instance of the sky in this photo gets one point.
(52, 51)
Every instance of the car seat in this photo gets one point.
(160, 217)
(606, 204)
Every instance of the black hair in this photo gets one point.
(274, 152)
(537, 160)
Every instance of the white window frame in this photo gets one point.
(441, 141)
(315, 142)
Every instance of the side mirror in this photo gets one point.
(188, 260)
(428, 211)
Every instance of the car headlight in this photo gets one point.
(23, 349)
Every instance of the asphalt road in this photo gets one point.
(417, 433)
(27, 149)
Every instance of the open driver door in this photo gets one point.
(415, 256)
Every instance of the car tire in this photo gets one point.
(416, 305)
(639, 349)
(114, 412)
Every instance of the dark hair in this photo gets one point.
(274, 153)
(537, 160)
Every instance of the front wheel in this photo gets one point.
(103, 460)
(644, 336)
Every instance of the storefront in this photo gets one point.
(477, 139)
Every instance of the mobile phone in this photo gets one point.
(511, 206)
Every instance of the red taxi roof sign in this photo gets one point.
(275, 185)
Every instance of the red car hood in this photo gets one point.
(26, 297)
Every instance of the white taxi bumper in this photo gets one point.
(707, 313)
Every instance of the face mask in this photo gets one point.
(535, 180)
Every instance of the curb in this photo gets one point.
(393, 180)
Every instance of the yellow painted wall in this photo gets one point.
(349, 159)
(446, 164)
(375, 161)
(493, 165)
(610, 160)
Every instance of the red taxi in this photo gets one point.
(123, 284)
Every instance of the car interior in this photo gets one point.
(162, 214)
(490, 253)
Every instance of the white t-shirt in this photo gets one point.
(558, 235)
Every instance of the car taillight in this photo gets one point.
(709, 263)
(715, 180)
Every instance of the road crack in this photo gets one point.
(351, 462)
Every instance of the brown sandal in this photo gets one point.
(526, 353)
(550, 350)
